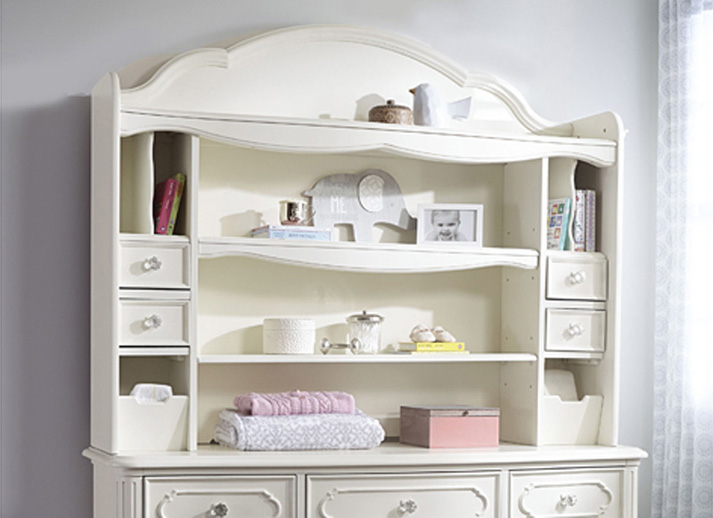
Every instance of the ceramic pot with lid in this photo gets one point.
(391, 113)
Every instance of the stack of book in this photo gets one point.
(585, 221)
(558, 223)
(167, 201)
(431, 347)
(292, 232)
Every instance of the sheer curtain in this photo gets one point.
(683, 399)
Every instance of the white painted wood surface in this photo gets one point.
(258, 138)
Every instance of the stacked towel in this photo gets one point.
(151, 392)
(298, 432)
(295, 403)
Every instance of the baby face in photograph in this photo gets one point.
(445, 226)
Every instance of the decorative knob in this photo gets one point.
(575, 330)
(407, 506)
(568, 500)
(152, 263)
(152, 322)
(577, 277)
(219, 509)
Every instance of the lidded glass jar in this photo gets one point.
(366, 327)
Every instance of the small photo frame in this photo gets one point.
(450, 224)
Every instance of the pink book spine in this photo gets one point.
(165, 192)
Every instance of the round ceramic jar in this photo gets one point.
(288, 336)
(391, 113)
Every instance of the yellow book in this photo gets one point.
(441, 347)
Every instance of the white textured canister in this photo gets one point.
(288, 336)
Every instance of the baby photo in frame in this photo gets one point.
(454, 223)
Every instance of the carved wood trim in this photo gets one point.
(171, 496)
(331, 495)
(596, 483)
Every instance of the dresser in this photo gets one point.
(263, 120)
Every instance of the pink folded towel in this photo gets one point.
(295, 402)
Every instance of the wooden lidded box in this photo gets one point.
(454, 426)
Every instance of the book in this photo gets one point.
(439, 347)
(292, 232)
(163, 204)
(557, 223)
(181, 179)
(579, 222)
(590, 243)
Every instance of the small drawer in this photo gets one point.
(192, 497)
(573, 278)
(575, 330)
(154, 266)
(567, 493)
(385, 496)
(153, 323)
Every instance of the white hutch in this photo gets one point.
(262, 120)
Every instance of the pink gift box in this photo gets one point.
(450, 426)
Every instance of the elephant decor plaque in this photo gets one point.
(360, 200)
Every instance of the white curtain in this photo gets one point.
(683, 400)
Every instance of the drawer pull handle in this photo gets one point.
(568, 501)
(575, 330)
(577, 277)
(152, 322)
(152, 264)
(407, 507)
(219, 509)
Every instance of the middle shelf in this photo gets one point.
(367, 257)
(367, 358)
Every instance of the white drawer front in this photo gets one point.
(577, 279)
(575, 330)
(164, 266)
(387, 496)
(567, 494)
(154, 323)
(192, 497)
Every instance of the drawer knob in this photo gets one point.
(219, 509)
(575, 330)
(152, 264)
(568, 501)
(407, 507)
(152, 322)
(577, 277)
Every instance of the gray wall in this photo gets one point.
(569, 59)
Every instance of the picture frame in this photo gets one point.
(450, 224)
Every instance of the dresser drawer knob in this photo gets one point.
(407, 507)
(152, 264)
(219, 509)
(152, 322)
(568, 501)
(575, 330)
(577, 277)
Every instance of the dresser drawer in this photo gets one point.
(153, 323)
(566, 494)
(154, 266)
(192, 497)
(386, 496)
(575, 330)
(573, 278)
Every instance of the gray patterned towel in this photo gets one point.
(355, 431)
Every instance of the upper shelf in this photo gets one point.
(347, 136)
(368, 257)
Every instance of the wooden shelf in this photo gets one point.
(367, 358)
(368, 257)
(297, 135)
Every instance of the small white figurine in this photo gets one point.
(442, 335)
(429, 108)
(421, 333)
